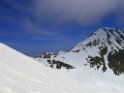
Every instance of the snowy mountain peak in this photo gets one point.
(103, 37)
(97, 52)
(100, 47)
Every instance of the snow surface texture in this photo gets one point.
(94, 80)
(21, 74)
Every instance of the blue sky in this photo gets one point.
(36, 26)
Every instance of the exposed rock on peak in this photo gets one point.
(97, 51)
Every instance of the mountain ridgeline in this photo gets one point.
(103, 50)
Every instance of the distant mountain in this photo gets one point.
(22, 74)
(103, 50)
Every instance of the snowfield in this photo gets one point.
(100, 44)
(21, 74)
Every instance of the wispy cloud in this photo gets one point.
(66, 11)
(120, 12)
(63, 12)
(21, 6)
(36, 29)
(78, 11)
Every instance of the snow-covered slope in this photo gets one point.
(21, 74)
(98, 62)
(96, 52)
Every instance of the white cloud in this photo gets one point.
(120, 12)
(34, 28)
(78, 11)
(62, 12)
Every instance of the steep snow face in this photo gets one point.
(99, 48)
(21, 74)
(103, 37)
(95, 52)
